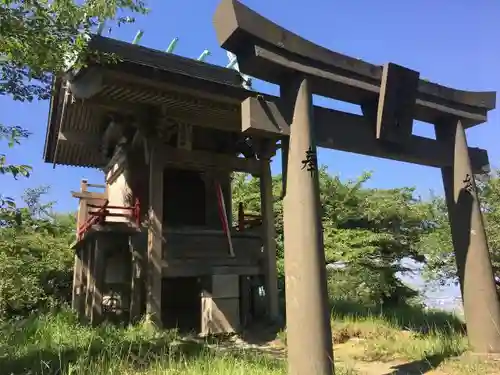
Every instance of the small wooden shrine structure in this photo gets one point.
(159, 237)
(168, 132)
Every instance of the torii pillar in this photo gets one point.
(309, 334)
(477, 284)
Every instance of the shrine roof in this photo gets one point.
(143, 79)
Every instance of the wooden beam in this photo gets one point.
(245, 33)
(396, 103)
(89, 195)
(353, 133)
(209, 266)
(205, 159)
(252, 125)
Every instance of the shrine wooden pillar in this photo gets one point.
(98, 271)
(309, 334)
(137, 287)
(77, 298)
(155, 237)
(477, 284)
(269, 235)
(88, 250)
(77, 292)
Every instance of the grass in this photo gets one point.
(420, 340)
(384, 340)
(414, 341)
(409, 333)
(58, 344)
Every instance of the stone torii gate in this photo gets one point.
(391, 97)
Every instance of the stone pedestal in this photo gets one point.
(221, 305)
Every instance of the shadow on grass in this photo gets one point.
(404, 317)
(421, 366)
(138, 355)
(254, 340)
(261, 333)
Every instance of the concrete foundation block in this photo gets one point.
(220, 315)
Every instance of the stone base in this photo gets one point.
(221, 305)
(220, 315)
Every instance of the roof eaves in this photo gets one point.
(51, 121)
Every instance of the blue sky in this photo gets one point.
(454, 43)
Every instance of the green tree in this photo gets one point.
(368, 231)
(437, 244)
(13, 135)
(35, 256)
(39, 39)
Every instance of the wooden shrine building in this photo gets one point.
(168, 131)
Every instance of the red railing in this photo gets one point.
(99, 216)
(247, 221)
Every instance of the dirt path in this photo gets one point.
(343, 357)
(346, 351)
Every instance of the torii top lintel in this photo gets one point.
(269, 52)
